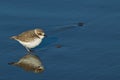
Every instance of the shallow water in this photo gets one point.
(90, 52)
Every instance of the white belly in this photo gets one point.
(31, 44)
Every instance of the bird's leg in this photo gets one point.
(29, 50)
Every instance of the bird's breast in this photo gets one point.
(32, 43)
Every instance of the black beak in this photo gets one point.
(45, 35)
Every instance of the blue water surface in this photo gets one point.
(89, 52)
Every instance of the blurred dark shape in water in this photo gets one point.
(58, 45)
(81, 24)
(67, 27)
(29, 62)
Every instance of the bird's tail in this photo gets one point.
(12, 63)
(13, 37)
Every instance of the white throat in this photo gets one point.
(41, 37)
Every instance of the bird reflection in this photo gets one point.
(29, 62)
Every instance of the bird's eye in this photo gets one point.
(39, 33)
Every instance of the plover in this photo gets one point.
(30, 39)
